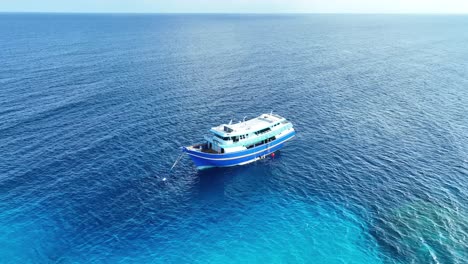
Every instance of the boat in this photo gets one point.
(241, 143)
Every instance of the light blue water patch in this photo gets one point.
(275, 231)
(29, 239)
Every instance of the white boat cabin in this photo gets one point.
(228, 138)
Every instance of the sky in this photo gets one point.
(236, 6)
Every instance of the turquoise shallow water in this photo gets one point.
(93, 109)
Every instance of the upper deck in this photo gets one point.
(256, 124)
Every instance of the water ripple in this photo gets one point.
(93, 109)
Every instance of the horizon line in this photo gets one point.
(236, 13)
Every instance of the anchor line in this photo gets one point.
(177, 160)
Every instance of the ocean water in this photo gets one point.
(94, 108)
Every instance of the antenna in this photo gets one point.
(230, 122)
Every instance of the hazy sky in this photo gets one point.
(237, 6)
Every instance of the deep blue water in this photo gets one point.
(93, 109)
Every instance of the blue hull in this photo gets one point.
(206, 160)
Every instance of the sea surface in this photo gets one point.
(94, 108)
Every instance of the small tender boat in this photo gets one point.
(241, 143)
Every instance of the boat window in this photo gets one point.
(263, 131)
(220, 137)
(262, 142)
